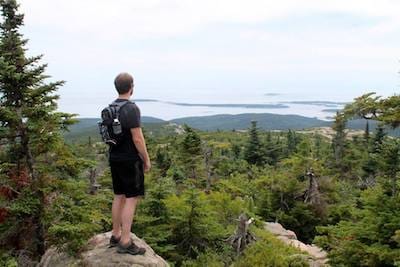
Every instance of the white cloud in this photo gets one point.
(88, 41)
(117, 19)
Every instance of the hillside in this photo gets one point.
(266, 121)
(87, 127)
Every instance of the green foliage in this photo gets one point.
(262, 174)
(190, 151)
(339, 142)
(26, 205)
(368, 238)
(269, 251)
(291, 142)
(193, 223)
(280, 200)
(370, 106)
(254, 153)
(31, 126)
(73, 218)
(163, 161)
(7, 260)
(211, 258)
(152, 221)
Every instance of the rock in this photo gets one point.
(97, 254)
(318, 256)
(55, 258)
(278, 230)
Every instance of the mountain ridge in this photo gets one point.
(221, 122)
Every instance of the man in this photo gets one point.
(128, 161)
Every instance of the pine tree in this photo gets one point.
(163, 160)
(378, 139)
(194, 224)
(271, 150)
(236, 149)
(191, 150)
(391, 165)
(30, 127)
(366, 132)
(152, 220)
(339, 141)
(291, 142)
(373, 163)
(317, 145)
(253, 153)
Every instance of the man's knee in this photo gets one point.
(132, 201)
(119, 198)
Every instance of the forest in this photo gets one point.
(340, 192)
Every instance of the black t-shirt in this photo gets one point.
(129, 118)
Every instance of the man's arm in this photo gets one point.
(140, 143)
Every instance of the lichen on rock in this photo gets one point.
(318, 257)
(98, 254)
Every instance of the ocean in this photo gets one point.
(168, 105)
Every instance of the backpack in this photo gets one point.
(110, 127)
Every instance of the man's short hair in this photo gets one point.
(123, 83)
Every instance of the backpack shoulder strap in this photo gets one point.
(115, 107)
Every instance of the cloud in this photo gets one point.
(176, 45)
(137, 19)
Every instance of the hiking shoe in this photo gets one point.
(131, 249)
(114, 241)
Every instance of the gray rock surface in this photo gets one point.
(97, 254)
(318, 258)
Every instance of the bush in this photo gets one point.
(269, 251)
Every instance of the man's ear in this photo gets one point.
(131, 92)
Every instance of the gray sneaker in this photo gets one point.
(130, 249)
(113, 241)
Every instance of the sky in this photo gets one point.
(216, 51)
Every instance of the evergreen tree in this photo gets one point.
(271, 150)
(318, 146)
(378, 139)
(236, 149)
(30, 127)
(193, 223)
(191, 150)
(390, 111)
(253, 153)
(391, 165)
(368, 238)
(366, 132)
(373, 163)
(291, 142)
(339, 141)
(152, 221)
(163, 160)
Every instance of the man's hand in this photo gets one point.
(147, 165)
(138, 140)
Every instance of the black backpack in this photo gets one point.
(110, 127)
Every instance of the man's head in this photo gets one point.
(124, 83)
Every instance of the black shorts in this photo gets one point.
(127, 177)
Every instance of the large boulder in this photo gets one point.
(97, 254)
(318, 257)
(278, 230)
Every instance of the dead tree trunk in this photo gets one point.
(207, 160)
(242, 237)
(94, 186)
(312, 194)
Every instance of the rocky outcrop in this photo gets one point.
(97, 254)
(318, 257)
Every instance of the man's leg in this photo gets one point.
(117, 207)
(127, 216)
